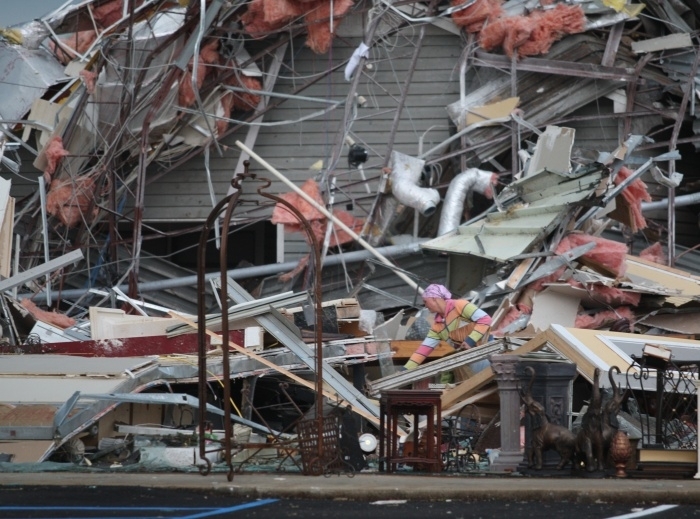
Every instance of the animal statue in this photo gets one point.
(611, 408)
(545, 435)
(589, 439)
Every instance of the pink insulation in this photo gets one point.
(551, 25)
(80, 42)
(608, 256)
(245, 101)
(72, 202)
(54, 151)
(89, 78)
(654, 253)
(110, 13)
(208, 55)
(318, 23)
(532, 34)
(265, 16)
(474, 17)
(281, 214)
(603, 319)
(509, 32)
(253, 20)
(59, 320)
(634, 195)
(276, 12)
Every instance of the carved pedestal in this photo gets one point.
(551, 388)
(504, 368)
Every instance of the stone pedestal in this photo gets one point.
(550, 388)
(504, 367)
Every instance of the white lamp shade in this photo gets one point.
(368, 442)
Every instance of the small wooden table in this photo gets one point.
(393, 404)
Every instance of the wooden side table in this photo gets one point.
(393, 404)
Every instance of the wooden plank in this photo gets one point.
(467, 388)
(404, 349)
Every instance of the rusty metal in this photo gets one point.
(316, 253)
(227, 205)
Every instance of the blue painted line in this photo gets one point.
(244, 506)
(104, 508)
(203, 511)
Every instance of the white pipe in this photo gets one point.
(405, 176)
(679, 201)
(327, 214)
(472, 179)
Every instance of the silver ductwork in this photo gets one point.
(405, 176)
(472, 179)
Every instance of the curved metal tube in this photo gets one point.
(472, 179)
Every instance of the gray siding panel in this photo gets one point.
(293, 148)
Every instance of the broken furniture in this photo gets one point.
(421, 454)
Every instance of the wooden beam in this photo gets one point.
(467, 388)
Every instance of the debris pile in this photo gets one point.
(535, 157)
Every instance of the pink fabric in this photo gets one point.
(437, 291)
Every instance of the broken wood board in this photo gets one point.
(7, 216)
(671, 41)
(404, 349)
(467, 388)
(499, 109)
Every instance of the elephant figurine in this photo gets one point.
(545, 435)
(589, 439)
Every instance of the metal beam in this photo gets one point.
(40, 270)
(437, 366)
(282, 330)
(562, 68)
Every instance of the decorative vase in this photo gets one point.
(620, 452)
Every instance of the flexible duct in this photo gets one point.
(472, 179)
(405, 175)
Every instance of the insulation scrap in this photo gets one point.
(474, 17)
(533, 34)
(89, 78)
(634, 195)
(654, 253)
(288, 276)
(60, 320)
(551, 26)
(108, 13)
(281, 214)
(509, 32)
(607, 257)
(71, 201)
(318, 23)
(253, 20)
(609, 295)
(265, 16)
(276, 12)
(244, 101)
(604, 318)
(54, 152)
(79, 42)
(209, 55)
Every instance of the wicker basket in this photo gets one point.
(331, 458)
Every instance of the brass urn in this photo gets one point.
(620, 452)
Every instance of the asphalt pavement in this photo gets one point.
(382, 486)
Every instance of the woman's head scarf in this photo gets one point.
(438, 291)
